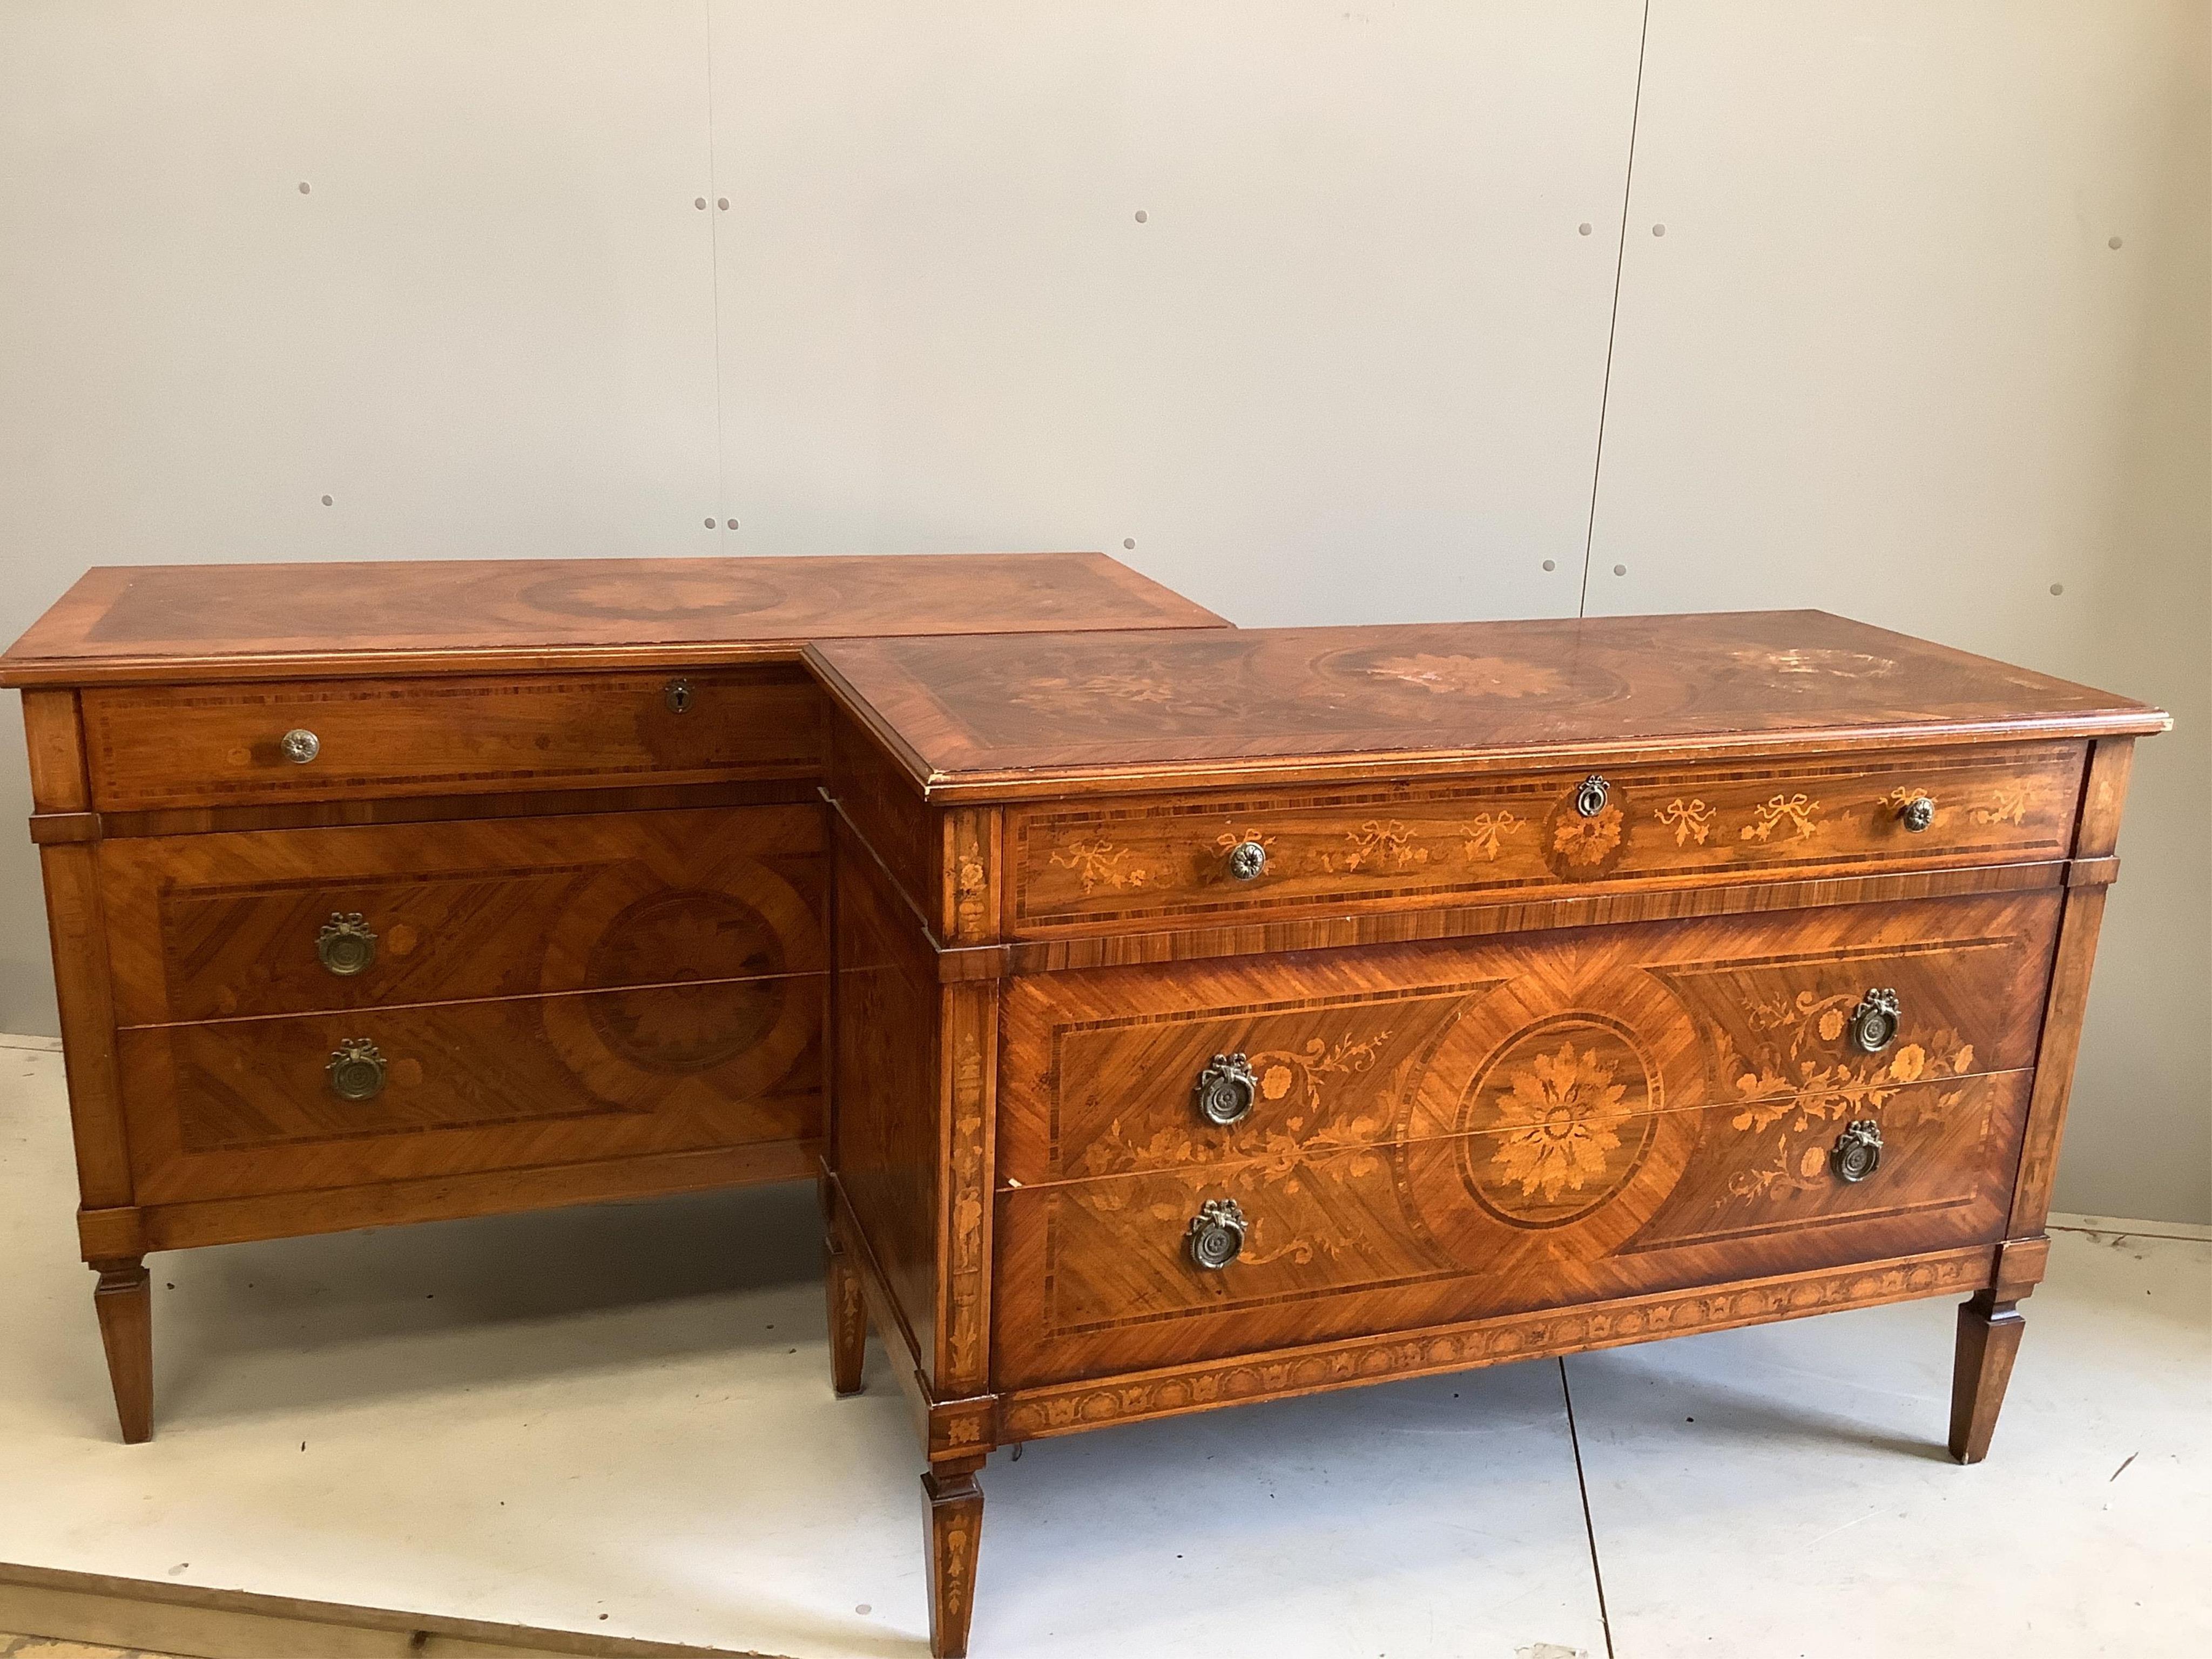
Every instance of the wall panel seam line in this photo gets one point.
(715, 274)
(1612, 322)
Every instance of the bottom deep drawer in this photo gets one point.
(1097, 1276)
(236, 1108)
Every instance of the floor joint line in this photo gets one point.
(1589, 1524)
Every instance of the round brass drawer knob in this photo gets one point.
(1590, 799)
(1226, 1089)
(299, 745)
(1217, 1234)
(1874, 1022)
(1247, 859)
(1917, 813)
(356, 1070)
(1858, 1150)
(345, 946)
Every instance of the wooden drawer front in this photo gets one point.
(1166, 862)
(248, 1106)
(1356, 1047)
(210, 926)
(220, 746)
(1094, 1276)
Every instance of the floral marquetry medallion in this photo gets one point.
(1480, 677)
(1564, 1116)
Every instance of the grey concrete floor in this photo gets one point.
(617, 1421)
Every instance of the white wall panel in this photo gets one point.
(486, 329)
(1925, 342)
(1348, 367)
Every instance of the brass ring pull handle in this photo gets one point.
(1917, 813)
(1875, 1021)
(1858, 1150)
(1590, 799)
(356, 1070)
(1226, 1089)
(345, 946)
(1217, 1234)
(678, 695)
(1247, 859)
(299, 745)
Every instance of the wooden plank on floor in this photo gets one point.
(195, 1623)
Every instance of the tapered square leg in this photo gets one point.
(1989, 1337)
(953, 1525)
(848, 1319)
(123, 1301)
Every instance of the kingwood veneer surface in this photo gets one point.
(1226, 1016)
(391, 892)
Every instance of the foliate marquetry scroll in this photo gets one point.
(1376, 844)
(1690, 820)
(1780, 817)
(972, 855)
(1803, 1069)
(2003, 806)
(1098, 863)
(969, 1024)
(1059, 1409)
(1312, 1088)
(1484, 834)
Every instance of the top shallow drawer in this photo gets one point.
(223, 745)
(1174, 861)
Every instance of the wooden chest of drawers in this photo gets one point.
(1223, 1017)
(391, 893)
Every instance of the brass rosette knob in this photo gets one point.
(1247, 859)
(299, 745)
(1917, 813)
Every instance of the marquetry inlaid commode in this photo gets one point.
(391, 892)
(1220, 1016)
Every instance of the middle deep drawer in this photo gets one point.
(228, 925)
(1101, 1071)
